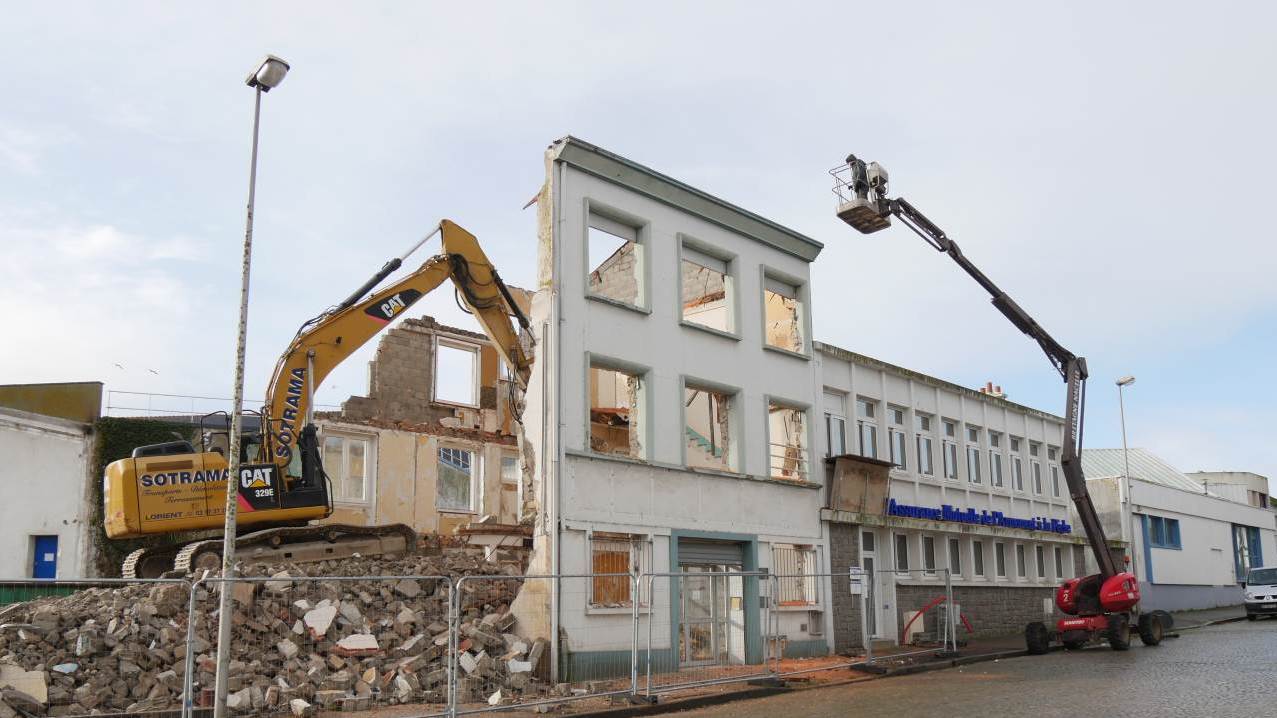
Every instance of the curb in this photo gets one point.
(1216, 622)
(722, 698)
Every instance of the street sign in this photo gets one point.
(856, 579)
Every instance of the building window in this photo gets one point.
(1040, 554)
(902, 552)
(835, 435)
(1020, 568)
(1163, 532)
(929, 554)
(1055, 471)
(995, 459)
(923, 444)
(867, 428)
(1248, 552)
(1059, 562)
(955, 557)
(896, 436)
(509, 469)
(787, 442)
(977, 555)
(1033, 448)
(708, 429)
(782, 315)
(1000, 559)
(456, 372)
(950, 450)
(795, 568)
(1037, 478)
(346, 464)
(615, 259)
(973, 454)
(835, 423)
(616, 421)
(617, 553)
(456, 480)
(707, 291)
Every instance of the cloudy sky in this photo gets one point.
(1108, 164)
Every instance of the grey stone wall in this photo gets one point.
(844, 552)
(991, 610)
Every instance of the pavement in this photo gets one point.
(1220, 670)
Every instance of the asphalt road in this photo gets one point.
(1220, 671)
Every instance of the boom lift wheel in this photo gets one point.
(1119, 633)
(1036, 638)
(1150, 627)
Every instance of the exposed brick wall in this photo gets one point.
(844, 552)
(616, 277)
(401, 378)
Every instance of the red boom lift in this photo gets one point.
(1099, 607)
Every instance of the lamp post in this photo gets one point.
(1128, 525)
(269, 73)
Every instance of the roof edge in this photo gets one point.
(849, 355)
(663, 188)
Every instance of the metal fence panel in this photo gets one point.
(703, 628)
(327, 643)
(504, 656)
(95, 646)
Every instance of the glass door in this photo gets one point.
(704, 638)
(869, 562)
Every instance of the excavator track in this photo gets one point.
(299, 544)
(149, 562)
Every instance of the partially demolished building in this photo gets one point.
(433, 445)
(670, 417)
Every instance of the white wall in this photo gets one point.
(853, 376)
(1205, 556)
(44, 471)
(660, 491)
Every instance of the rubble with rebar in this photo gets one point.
(303, 641)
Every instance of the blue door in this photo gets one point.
(45, 563)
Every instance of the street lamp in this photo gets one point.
(269, 73)
(1128, 523)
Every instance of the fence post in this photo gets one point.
(454, 626)
(949, 611)
(773, 623)
(635, 597)
(188, 680)
(651, 589)
(864, 620)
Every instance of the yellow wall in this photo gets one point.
(77, 401)
(404, 479)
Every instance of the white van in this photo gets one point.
(1261, 592)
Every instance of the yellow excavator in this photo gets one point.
(174, 488)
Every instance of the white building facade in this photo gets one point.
(47, 465)
(974, 486)
(1191, 547)
(670, 417)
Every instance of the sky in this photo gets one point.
(1108, 164)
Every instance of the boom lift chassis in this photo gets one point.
(1103, 606)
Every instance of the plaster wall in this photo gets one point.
(46, 466)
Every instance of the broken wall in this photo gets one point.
(405, 425)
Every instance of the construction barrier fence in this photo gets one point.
(440, 645)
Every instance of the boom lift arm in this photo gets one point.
(863, 204)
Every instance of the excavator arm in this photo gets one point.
(327, 340)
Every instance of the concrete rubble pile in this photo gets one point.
(299, 646)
